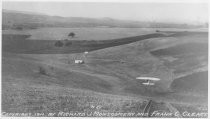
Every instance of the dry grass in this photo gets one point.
(20, 98)
(70, 87)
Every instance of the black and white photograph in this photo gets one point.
(104, 59)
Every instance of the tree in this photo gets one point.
(72, 34)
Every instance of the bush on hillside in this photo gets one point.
(58, 44)
(42, 71)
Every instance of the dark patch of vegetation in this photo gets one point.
(14, 37)
(59, 44)
(42, 71)
(187, 33)
(19, 28)
(48, 46)
(187, 48)
(72, 34)
(23, 26)
(68, 43)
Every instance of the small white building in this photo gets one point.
(86, 52)
(79, 61)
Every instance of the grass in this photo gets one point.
(26, 90)
(107, 79)
(196, 82)
(54, 99)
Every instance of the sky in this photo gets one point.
(192, 13)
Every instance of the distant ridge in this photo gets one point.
(28, 20)
(22, 12)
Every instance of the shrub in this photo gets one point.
(58, 44)
(42, 71)
(72, 34)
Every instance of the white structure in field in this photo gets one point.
(79, 61)
(148, 80)
(86, 52)
(80, 58)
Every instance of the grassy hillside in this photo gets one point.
(67, 88)
(53, 83)
(132, 60)
(188, 53)
(194, 83)
(28, 90)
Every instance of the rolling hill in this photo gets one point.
(52, 82)
(27, 20)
